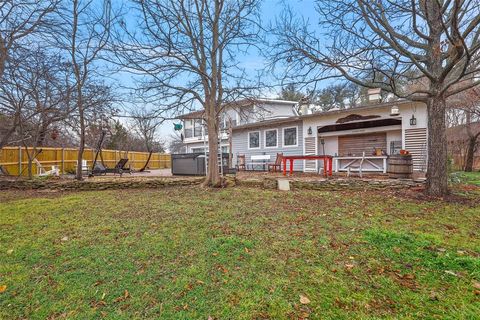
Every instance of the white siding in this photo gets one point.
(416, 144)
(240, 144)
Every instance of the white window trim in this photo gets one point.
(283, 137)
(265, 139)
(259, 142)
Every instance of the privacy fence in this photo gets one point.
(15, 159)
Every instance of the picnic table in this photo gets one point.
(327, 162)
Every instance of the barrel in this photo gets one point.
(400, 166)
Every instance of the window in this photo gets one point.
(188, 128)
(271, 138)
(254, 140)
(197, 129)
(290, 137)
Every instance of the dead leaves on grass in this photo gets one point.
(304, 299)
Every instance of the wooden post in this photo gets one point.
(63, 160)
(19, 160)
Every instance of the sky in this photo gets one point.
(253, 60)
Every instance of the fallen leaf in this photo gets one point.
(433, 296)
(304, 299)
(9, 251)
(3, 288)
(477, 292)
(476, 285)
(65, 238)
(349, 266)
(451, 273)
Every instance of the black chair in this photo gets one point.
(120, 168)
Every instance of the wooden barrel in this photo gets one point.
(400, 166)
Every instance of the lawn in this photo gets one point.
(238, 253)
(470, 177)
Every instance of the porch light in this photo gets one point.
(413, 120)
(309, 131)
(394, 111)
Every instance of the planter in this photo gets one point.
(400, 166)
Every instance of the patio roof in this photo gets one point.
(321, 114)
(359, 125)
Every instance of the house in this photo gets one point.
(247, 111)
(374, 128)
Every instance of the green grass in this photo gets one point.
(239, 253)
(471, 177)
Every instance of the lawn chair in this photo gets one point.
(241, 163)
(357, 167)
(42, 172)
(278, 163)
(120, 168)
(85, 167)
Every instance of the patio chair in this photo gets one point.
(120, 168)
(357, 167)
(241, 163)
(42, 172)
(277, 164)
(85, 168)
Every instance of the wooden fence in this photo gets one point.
(15, 159)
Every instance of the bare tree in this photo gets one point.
(176, 144)
(388, 44)
(464, 114)
(84, 32)
(36, 93)
(187, 52)
(19, 19)
(145, 125)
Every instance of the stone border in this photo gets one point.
(112, 184)
(335, 184)
(152, 183)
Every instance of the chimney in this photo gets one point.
(374, 95)
(304, 109)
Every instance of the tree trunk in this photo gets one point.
(213, 178)
(437, 175)
(81, 147)
(472, 141)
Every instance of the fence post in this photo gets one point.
(63, 160)
(19, 160)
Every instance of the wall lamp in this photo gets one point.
(309, 131)
(413, 120)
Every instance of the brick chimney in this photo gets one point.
(374, 95)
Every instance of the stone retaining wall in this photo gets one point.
(97, 184)
(266, 183)
(336, 184)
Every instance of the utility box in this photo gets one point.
(193, 164)
(188, 164)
